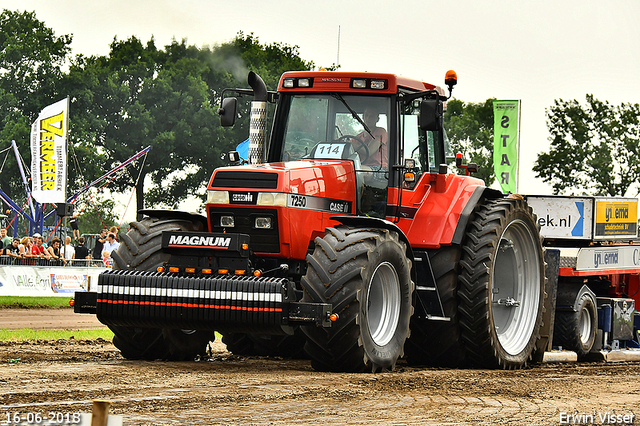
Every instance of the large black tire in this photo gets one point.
(285, 346)
(576, 331)
(438, 343)
(141, 250)
(365, 275)
(501, 286)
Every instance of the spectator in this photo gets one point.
(97, 250)
(68, 250)
(54, 250)
(74, 225)
(6, 240)
(81, 252)
(106, 259)
(25, 247)
(12, 249)
(38, 249)
(36, 235)
(111, 244)
(114, 231)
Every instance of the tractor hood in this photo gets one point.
(329, 179)
(281, 206)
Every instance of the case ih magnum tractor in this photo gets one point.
(360, 255)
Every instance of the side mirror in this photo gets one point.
(431, 113)
(227, 112)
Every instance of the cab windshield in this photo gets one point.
(346, 127)
(316, 119)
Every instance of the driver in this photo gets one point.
(376, 145)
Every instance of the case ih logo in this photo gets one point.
(187, 240)
(242, 197)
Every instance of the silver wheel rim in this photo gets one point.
(383, 304)
(585, 326)
(515, 290)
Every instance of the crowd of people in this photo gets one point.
(53, 250)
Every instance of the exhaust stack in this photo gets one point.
(257, 119)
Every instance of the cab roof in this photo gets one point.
(341, 81)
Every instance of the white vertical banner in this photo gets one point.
(49, 153)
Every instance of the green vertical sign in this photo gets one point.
(506, 116)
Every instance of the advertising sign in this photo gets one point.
(505, 143)
(616, 218)
(16, 280)
(608, 258)
(49, 153)
(563, 217)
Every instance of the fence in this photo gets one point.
(38, 261)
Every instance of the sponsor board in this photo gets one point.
(616, 218)
(66, 282)
(608, 258)
(46, 280)
(563, 217)
(49, 153)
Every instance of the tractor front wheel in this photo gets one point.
(365, 275)
(141, 250)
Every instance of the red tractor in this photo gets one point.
(345, 235)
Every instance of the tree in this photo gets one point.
(140, 95)
(31, 61)
(469, 127)
(594, 148)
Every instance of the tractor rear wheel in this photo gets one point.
(501, 285)
(141, 250)
(365, 274)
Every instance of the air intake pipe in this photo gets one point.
(257, 119)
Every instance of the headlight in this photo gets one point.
(227, 221)
(272, 199)
(217, 197)
(263, 223)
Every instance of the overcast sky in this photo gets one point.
(536, 51)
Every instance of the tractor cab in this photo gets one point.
(365, 123)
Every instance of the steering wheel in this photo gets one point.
(299, 148)
(357, 139)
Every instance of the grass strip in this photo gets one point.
(23, 302)
(29, 334)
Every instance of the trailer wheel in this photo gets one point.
(365, 275)
(501, 285)
(140, 250)
(438, 343)
(576, 331)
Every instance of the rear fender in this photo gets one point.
(480, 193)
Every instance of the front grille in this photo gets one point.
(152, 299)
(244, 179)
(262, 240)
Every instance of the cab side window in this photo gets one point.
(417, 142)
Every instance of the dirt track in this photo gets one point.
(64, 377)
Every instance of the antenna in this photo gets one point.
(338, 58)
